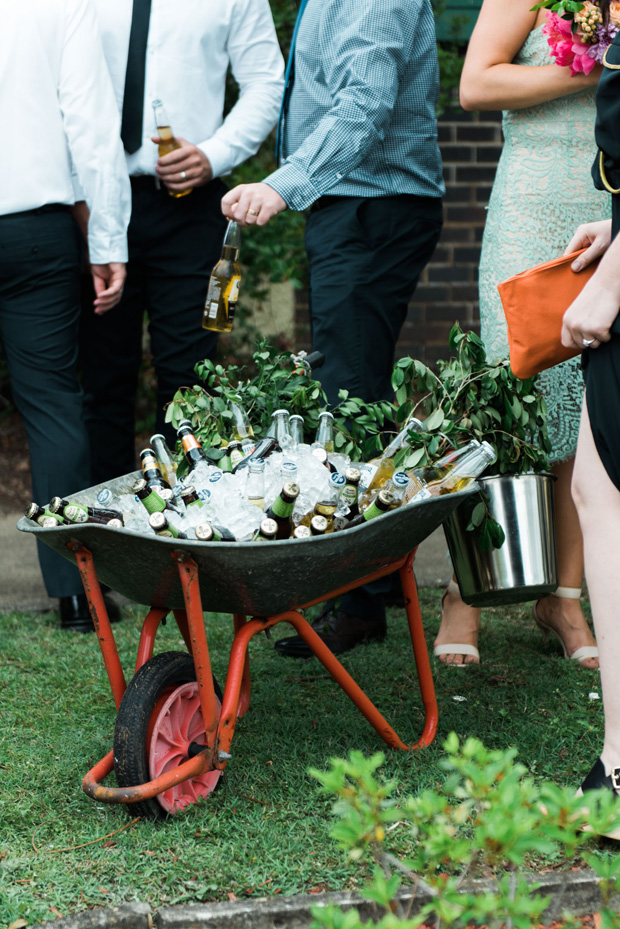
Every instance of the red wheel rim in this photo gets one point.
(177, 723)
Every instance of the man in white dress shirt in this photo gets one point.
(58, 109)
(179, 54)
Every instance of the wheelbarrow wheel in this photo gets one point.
(158, 717)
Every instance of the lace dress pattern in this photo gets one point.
(542, 191)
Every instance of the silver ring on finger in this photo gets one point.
(183, 175)
(587, 342)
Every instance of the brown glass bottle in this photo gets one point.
(281, 510)
(167, 141)
(223, 290)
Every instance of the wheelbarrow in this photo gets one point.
(174, 726)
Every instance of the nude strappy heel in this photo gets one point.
(580, 654)
(459, 648)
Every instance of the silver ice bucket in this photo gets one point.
(525, 567)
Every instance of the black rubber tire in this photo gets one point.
(131, 765)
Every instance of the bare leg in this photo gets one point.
(459, 623)
(562, 615)
(598, 504)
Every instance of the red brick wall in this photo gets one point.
(448, 290)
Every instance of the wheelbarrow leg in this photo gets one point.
(420, 651)
(101, 620)
(243, 706)
(188, 573)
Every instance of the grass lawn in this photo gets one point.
(266, 830)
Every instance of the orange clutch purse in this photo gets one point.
(534, 303)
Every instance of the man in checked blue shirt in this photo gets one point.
(358, 140)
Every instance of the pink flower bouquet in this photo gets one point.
(577, 36)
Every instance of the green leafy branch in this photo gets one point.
(488, 817)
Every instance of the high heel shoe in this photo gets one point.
(459, 648)
(597, 779)
(580, 654)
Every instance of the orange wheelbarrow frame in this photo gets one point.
(219, 729)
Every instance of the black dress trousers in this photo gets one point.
(173, 245)
(39, 321)
(365, 259)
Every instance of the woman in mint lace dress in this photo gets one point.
(542, 191)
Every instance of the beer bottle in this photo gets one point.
(151, 471)
(242, 429)
(48, 522)
(79, 513)
(301, 532)
(318, 525)
(376, 472)
(296, 426)
(38, 513)
(267, 531)
(327, 504)
(325, 432)
(224, 462)
(209, 532)
(221, 534)
(321, 455)
(282, 509)
(288, 471)
(149, 497)
(190, 498)
(235, 452)
(383, 502)
(418, 477)
(350, 491)
(167, 464)
(204, 532)
(281, 429)
(255, 488)
(263, 450)
(193, 450)
(167, 141)
(464, 473)
(161, 526)
(223, 291)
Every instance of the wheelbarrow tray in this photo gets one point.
(249, 578)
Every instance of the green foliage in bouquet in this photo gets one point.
(470, 397)
(488, 818)
(279, 383)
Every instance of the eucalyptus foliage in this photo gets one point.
(279, 383)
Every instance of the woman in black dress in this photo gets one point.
(592, 323)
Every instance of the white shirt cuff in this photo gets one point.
(219, 156)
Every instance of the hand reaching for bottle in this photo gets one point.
(252, 204)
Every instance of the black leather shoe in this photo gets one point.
(75, 615)
(339, 631)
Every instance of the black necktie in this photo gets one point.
(133, 99)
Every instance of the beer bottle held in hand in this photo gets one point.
(281, 510)
(167, 141)
(223, 291)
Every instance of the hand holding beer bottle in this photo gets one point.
(167, 142)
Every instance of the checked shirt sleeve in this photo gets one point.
(362, 50)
